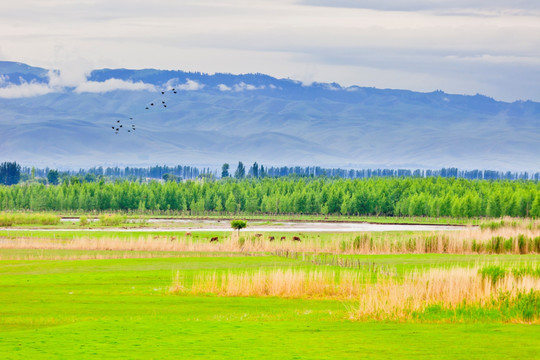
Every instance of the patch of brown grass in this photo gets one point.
(286, 283)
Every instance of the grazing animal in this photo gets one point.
(283, 238)
(214, 239)
(296, 238)
(258, 235)
(173, 238)
(188, 233)
(271, 238)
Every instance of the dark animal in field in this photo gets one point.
(214, 239)
(283, 238)
(188, 233)
(296, 238)
(271, 238)
(258, 235)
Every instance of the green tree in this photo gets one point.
(240, 172)
(238, 224)
(10, 173)
(52, 177)
(225, 170)
(230, 204)
(535, 209)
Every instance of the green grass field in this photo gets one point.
(122, 308)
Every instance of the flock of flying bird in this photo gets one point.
(119, 126)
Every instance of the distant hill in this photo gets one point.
(220, 118)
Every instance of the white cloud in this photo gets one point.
(332, 87)
(112, 85)
(223, 87)
(191, 85)
(421, 5)
(24, 90)
(344, 41)
(243, 86)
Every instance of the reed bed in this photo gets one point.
(287, 283)
(451, 290)
(510, 239)
(511, 297)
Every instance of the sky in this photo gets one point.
(458, 46)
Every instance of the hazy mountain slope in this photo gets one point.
(225, 118)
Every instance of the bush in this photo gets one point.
(241, 241)
(28, 219)
(111, 220)
(83, 221)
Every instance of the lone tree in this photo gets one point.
(238, 224)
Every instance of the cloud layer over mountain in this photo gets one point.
(212, 119)
(465, 47)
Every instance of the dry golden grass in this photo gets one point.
(389, 298)
(450, 288)
(523, 237)
(286, 283)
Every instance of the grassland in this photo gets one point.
(143, 295)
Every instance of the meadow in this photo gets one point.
(84, 293)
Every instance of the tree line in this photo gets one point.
(179, 173)
(286, 195)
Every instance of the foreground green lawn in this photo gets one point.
(121, 308)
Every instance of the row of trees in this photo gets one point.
(376, 196)
(256, 170)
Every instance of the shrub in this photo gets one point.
(494, 273)
(83, 221)
(111, 220)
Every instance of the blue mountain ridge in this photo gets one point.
(277, 122)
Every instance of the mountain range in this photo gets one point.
(210, 119)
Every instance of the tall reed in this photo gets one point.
(451, 289)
